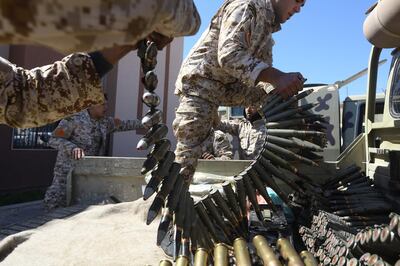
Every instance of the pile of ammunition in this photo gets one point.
(221, 223)
(334, 243)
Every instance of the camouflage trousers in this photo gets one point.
(193, 128)
(196, 117)
(56, 194)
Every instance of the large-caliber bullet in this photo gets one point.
(233, 203)
(268, 155)
(157, 176)
(278, 174)
(288, 253)
(261, 189)
(164, 165)
(165, 263)
(201, 211)
(293, 143)
(152, 118)
(241, 192)
(182, 261)
(273, 100)
(342, 173)
(268, 179)
(151, 99)
(200, 257)
(265, 252)
(288, 154)
(150, 80)
(212, 209)
(287, 103)
(241, 252)
(290, 112)
(220, 255)
(251, 193)
(179, 219)
(222, 205)
(166, 188)
(157, 154)
(172, 202)
(294, 133)
(308, 258)
(156, 133)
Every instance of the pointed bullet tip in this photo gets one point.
(148, 191)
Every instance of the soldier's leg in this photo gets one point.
(55, 196)
(192, 126)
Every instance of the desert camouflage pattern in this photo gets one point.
(79, 131)
(88, 25)
(251, 136)
(223, 66)
(36, 97)
(218, 145)
(222, 69)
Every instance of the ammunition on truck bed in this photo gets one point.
(220, 255)
(287, 103)
(308, 258)
(212, 209)
(200, 257)
(241, 252)
(165, 263)
(151, 99)
(166, 188)
(201, 211)
(156, 133)
(288, 253)
(265, 252)
(261, 189)
(290, 112)
(251, 193)
(269, 156)
(157, 154)
(151, 119)
(241, 193)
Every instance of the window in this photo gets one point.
(32, 138)
(237, 111)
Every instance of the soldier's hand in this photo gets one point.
(289, 84)
(78, 153)
(160, 40)
(207, 156)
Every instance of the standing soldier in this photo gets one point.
(250, 130)
(218, 147)
(82, 134)
(231, 65)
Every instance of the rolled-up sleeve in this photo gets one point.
(31, 98)
(235, 37)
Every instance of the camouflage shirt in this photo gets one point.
(31, 98)
(220, 146)
(223, 66)
(79, 25)
(80, 130)
(251, 136)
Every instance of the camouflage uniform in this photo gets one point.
(222, 69)
(78, 25)
(31, 98)
(79, 131)
(219, 146)
(251, 136)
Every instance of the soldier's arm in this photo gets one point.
(222, 147)
(229, 126)
(60, 137)
(31, 98)
(115, 125)
(181, 18)
(238, 22)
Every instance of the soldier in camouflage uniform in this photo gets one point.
(231, 65)
(217, 147)
(82, 134)
(251, 132)
(76, 25)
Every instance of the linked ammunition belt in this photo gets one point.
(216, 225)
(358, 226)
